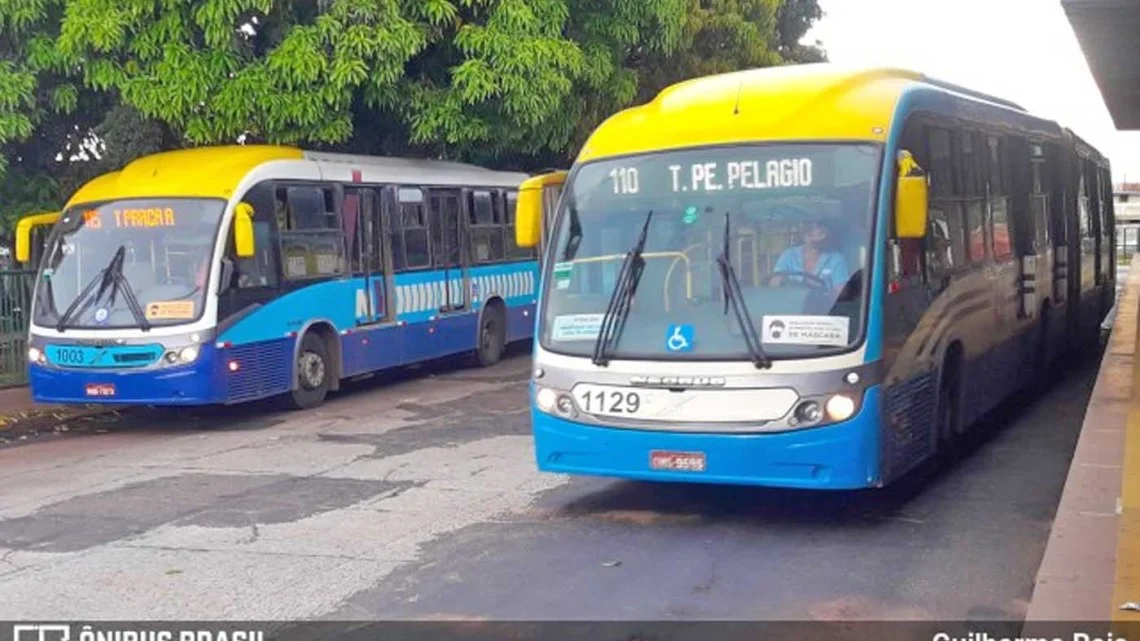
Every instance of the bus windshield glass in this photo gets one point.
(793, 220)
(131, 263)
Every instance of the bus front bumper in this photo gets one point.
(834, 457)
(197, 383)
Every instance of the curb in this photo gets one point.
(1093, 550)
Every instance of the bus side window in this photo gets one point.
(260, 270)
(411, 247)
(1001, 236)
(312, 241)
(486, 228)
(946, 239)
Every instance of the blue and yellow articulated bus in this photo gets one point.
(808, 277)
(228, 274)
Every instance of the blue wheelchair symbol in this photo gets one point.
(679, 338)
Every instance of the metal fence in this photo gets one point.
(15, 305)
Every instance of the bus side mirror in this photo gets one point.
(244, 245)
(911, 199)
(528, 216)
(24, 233)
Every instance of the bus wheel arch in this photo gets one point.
(491, 332)
(317, 365)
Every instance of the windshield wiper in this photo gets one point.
(617, 310)
(110, 276)
(735, 298)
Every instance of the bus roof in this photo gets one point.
(215, 172)
(796, 102)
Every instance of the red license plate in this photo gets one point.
(677, 461)
(100, 389)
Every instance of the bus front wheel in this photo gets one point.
(312, 384)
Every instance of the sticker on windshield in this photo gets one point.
(577, 327)
(691, 215)
(562, 273)
(170, 310)
(679, 338)
(831, 331)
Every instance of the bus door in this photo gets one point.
(450, 291)
(364, 232)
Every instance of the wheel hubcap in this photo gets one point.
(488, 335)
(312, 370)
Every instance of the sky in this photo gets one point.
(1021, 50)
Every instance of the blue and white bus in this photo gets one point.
(228, 274)
(808, 276)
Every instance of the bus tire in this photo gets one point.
(492, 334)
(313, 369)
(949, 399)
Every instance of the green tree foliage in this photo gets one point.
(503, 82)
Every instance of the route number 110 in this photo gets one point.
(625, 180)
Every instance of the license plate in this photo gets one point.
(677, 461)
(100, 389)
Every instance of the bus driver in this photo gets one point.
(815, 257)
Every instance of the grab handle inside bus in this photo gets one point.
(244, 245)
(910, 199)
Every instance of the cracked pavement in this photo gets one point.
(416, 496)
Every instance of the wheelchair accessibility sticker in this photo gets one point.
(679, 338)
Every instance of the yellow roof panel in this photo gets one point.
(203, 172)
(801, 102)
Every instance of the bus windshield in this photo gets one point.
(793, 220)
(131, 263)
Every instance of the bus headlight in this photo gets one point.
(808, 413)
(840, 407)
(188, 354)
(36, 356)
(546, 399)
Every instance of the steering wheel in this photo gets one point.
(797, 278)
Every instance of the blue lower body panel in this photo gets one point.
(836, 457)
(199, 383)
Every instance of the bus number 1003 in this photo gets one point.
(611, 402)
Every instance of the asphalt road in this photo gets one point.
(417, 497)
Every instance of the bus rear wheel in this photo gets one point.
(312, 367)
(949, 410)
(492, 335)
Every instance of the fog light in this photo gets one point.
(565, 404)
(188, 354)
(840, 408)
(171, 357)
(36, 356)
(809, 412)
(539, 372)
(546, 399)
(233, 366)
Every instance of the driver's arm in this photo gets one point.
(783, 264)
(840, 274)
